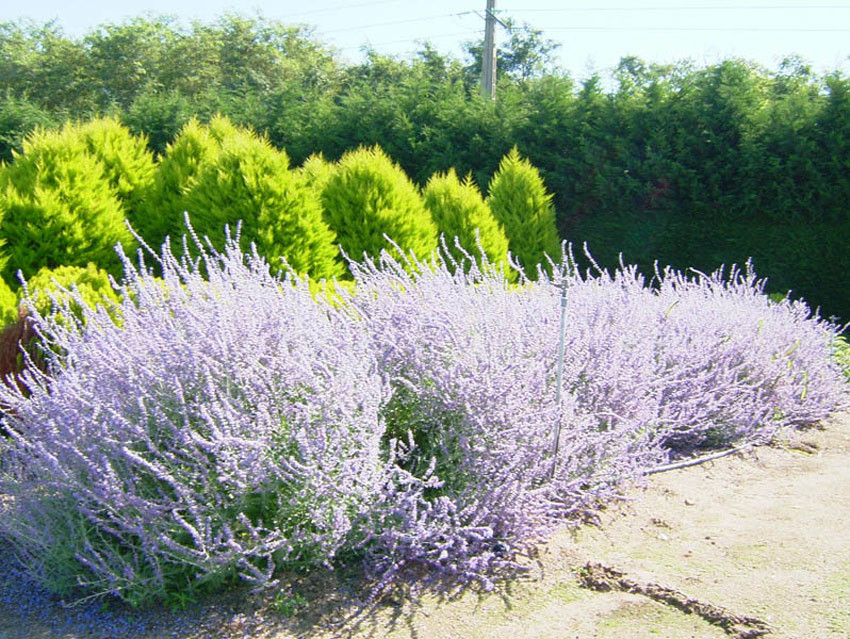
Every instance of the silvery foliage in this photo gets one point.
(649, 371)
(233, 423)
(227, 424)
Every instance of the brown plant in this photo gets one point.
(16, 339)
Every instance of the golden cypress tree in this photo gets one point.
(162, 213)
(518, 199)
(367, 197)
(57, 207)
(49, 285)
(463, 217)
(129, 165)
(8, 304)
(250, 182)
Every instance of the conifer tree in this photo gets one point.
(250, 182)
(128, 163)
(317, 171)
(460, 212)
(49, 286)
(519, 201)
(8, 304)
(221, 128)
(163, 211)
(57, 207)
(367, 197)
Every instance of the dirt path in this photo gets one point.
(764, 535)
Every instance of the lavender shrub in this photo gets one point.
(648, 371)
(473, 362)
(226, 425)
(233, 424)
(734, 365)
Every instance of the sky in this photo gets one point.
(593, 34)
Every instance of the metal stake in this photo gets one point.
(560, 379)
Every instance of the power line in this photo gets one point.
(723, 29)
(430, 37)
(397, 22)
(342, 7)
(679, 9)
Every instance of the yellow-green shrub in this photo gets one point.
(50, 285)
(317, 171)
(129, 165)
(459, 211)
(519, 201)
(165, 202)
(57, 207)
(8, 304)
(367, 197)
(250, 182)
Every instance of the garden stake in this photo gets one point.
(560, 376)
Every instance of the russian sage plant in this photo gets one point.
(649, 371)
(733, 364)
(472, 359)
(228, 426)
(235, 423)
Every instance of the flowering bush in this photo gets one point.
(237, 423)
(841, 354)
(648, 371)
(473, 360)
(733, 364)
(227, 426)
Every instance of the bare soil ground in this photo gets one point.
(753, 543)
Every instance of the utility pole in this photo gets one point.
(488, 54)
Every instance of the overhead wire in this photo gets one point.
(430, 37)
(680, 9)
(468, 32)
(397, 22)
(343, 7)
(633, 9)
(579, 28)
(719, 29)
(598, 9)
